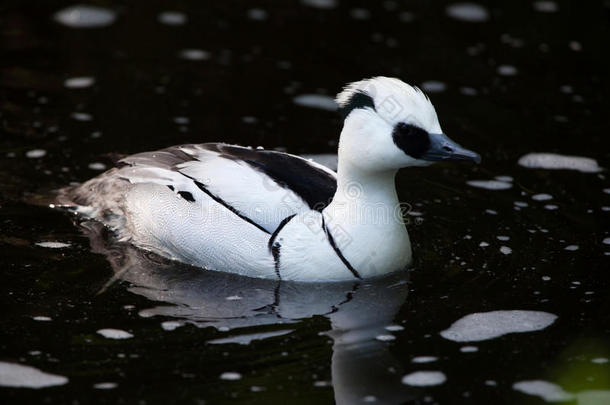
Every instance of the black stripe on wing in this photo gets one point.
(314, 185)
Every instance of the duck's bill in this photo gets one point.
(443, 148)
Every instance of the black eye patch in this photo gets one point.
(412, 140)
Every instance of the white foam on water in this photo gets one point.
(424, 378)
(553, 161)
(81, 116)
(543, 389)
(194, 54)
(42, 318)
(542, 197)
(507, 179)
(606, 241)
(394, 328)
(52, 244)
(85, 16)
(323, 4)
(483, 244)
(80, 82)
(385, 338)
(507, 70)
(316, 101)
(551, 207)
(545, 6)
(505, 250)
(469, 349)
(571, 248)
(115, 334)
(490, 184)
(230, 376)
(105, 385)
(467, 12)
(489, 325)
(434, 86)
(172, 18)
(20, 376)
(171, 325)
(503, 238)
(35, 153)
(424, 359)
(97, 166)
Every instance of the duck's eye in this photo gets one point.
(413, 140)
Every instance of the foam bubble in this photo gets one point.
(20, 376)
(424, 378)
(316, 101)
(114, 334)
(489, 325)
(553, 161)
(172, 18)
(467, 12)
(52, 244)
(490, 184)
(84, 16)
(80, 82)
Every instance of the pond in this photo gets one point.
(507, 299)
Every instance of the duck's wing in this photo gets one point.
(263, 187)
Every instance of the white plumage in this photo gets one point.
(273, 215)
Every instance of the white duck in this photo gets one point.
(273, 215)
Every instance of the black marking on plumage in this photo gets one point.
(170, 187)
(222, 202)
(315, 186)
(187, 196)
(275, 247)
(358, 100)
(411, 139)
(331, 240)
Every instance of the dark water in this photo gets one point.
(528, 78)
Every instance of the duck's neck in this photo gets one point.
(358, 189)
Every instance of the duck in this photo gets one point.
(269, 214)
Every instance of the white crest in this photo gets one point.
(395, 101)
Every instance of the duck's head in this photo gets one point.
(389, 125)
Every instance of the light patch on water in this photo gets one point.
(489, 184)
(115, 334)
(543, 389)
(542, 197)
(469, 349)
(81, 116)
(521, 204)
(42, 318)
(80, 82)
(503, 238)
(545, 278)
(35, 153)
(434, 86)
(424, 378)
(607, 190)
(257, 14)
(360, 14)
(52, 244)
(553, 161)
(249, 338)
(406, 16)
(467, 12)
(489, 325)
(572, 248)
(171, 325)
(505, 250)
(97, 166)
(172, 18)
(483, 244)
(545, 6)
(323, 4)
(85, 16)
(233, 298)
(316, 101)
(507, 70)
(551, 207)
(468, 91)
(394, 328)
(20, 376)
(599, 360)
(424, 359)
(606, 241)
(194, 54)
(507, 179)
(105, 385)
(230, 376)
(385, 338)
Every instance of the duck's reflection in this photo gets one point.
(363, 369)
